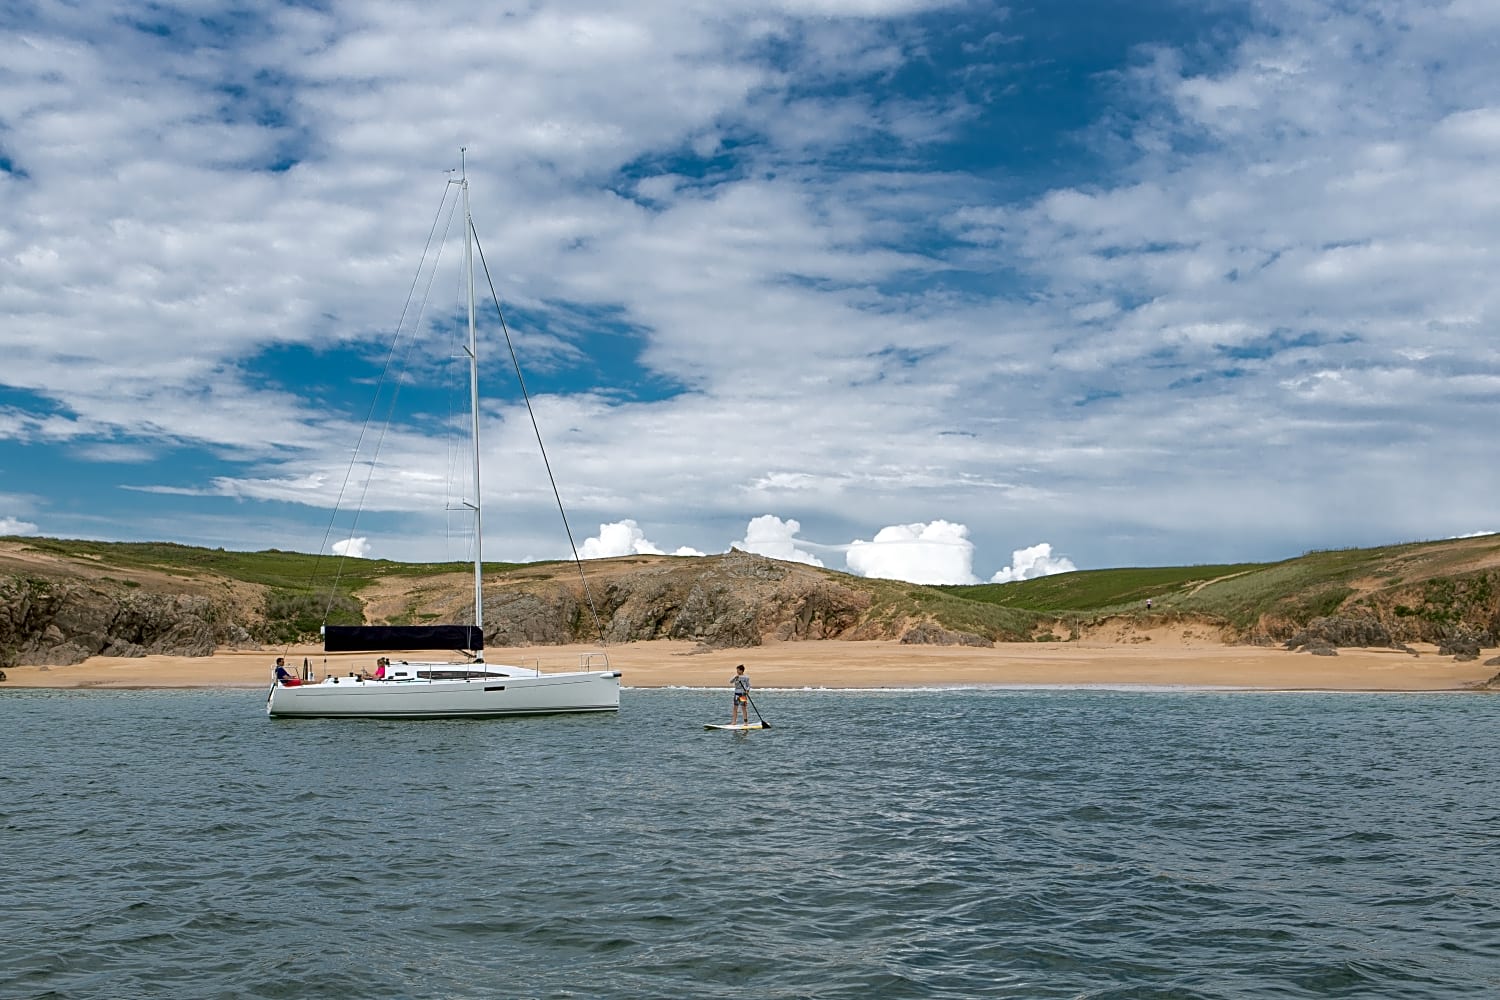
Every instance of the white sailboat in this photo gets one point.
(431, 689)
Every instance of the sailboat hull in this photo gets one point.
(542, 694)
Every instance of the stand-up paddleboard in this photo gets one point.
(739, 725)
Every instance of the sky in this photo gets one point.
(946, 292)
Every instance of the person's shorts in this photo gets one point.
(740, 699)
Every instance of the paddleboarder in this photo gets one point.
(740, 685)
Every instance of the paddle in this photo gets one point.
(764, 724)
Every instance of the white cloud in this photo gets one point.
(1283, 257)
(357, 548)
(1028, 564)
(768, 535)
(933, 553)
(15, 526)
(624, 538)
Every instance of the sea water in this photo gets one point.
(949, 843)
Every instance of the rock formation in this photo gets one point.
(728, 601)
(60, 622)
(61, 601)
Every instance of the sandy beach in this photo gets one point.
(1162, 658)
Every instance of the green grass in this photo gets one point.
(1098, 590)
(304, 591)
(1432, 582)
(1237, 593)
(270, 567)
(892, 600)
(1318, 583)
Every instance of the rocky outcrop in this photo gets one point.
(1435, 609)
(1340, 631)
(62, 601)
(1462, 644)
(933, 634)
(50, 622)
(518, 618)
(1323, 637)
(731, 601)
(728, 601)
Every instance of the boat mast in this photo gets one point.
(473, 399)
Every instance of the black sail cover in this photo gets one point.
(365, 638)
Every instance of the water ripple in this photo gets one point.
(879, 844)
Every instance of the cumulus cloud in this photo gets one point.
(625, 538)
(358, 548)
(932, 553)
(926, 552)
(16, 526)
(1274, 244)
(768, 535)
(1028, 564)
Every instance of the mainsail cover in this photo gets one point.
(364, 638)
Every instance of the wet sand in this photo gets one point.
(1158, 659)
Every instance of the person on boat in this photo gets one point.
(380, 665)
(740, 685)
(283, 675)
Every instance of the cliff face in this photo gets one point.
(1462, 607)
(57, 610)
(734, 600)
(60, 622)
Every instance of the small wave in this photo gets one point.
(946, 841)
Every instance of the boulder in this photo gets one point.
(1461, 644)
(1337, 631)
(932, 634)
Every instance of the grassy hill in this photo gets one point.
(1429, 586)
(298, 592)
(1418, 591)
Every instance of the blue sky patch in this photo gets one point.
(1067, 224)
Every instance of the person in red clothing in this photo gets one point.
(283, 675)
